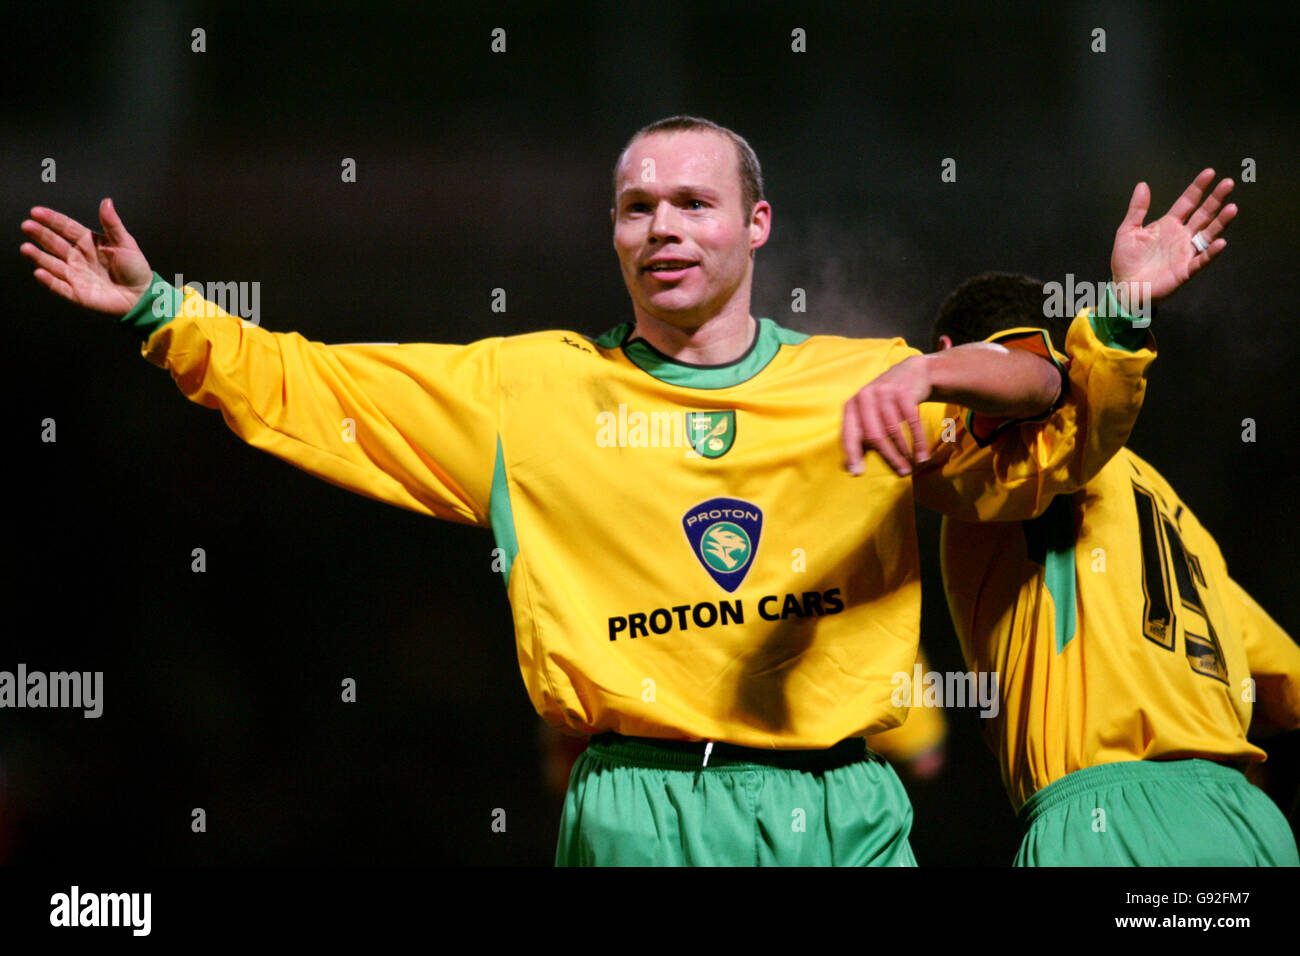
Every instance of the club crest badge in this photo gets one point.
(711, 434)
(724, 533)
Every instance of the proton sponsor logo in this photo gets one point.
(724, 533)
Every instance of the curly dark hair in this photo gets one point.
(992, 302)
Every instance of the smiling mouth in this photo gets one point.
(674, 266)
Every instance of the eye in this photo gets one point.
(696, 204)
(633, 207)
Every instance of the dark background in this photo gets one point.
(476, 171)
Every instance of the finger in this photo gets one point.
(851, 439)
(1201, 260)
(894, 417)
(1137, 207)
(919, 439)
(1206, 212)
(1220, 223)
(875, 435)
(1191, 197)
(916, 448)
(112, 223)
(47, 237)
(55, 285)
(56, 267)
(67, 227)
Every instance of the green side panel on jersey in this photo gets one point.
(158, 306)
(1114, 326)
(1049, 540)
(502, 516)
(649, 359)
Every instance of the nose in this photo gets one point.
(665, 224)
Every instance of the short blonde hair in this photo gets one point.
(751, 174)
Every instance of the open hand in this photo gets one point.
(1162, 253)
(105, 271)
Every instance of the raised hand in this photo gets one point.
(104, 271)
(1163, 253)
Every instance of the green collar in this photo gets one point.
(649, 359)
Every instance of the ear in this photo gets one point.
(945, 342)
(760, 224)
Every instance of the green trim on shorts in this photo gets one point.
(1155, 813)
(641, 802)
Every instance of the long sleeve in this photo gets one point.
(1274, 660)
(1014, 473)
(412, 425)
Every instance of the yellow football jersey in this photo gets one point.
(1115, 632)
(684, 553)
(924, 728)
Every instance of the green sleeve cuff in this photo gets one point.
(158, 306)
(1115, 327)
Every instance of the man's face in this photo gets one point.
(683, 237)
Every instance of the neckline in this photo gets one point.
(766, 343)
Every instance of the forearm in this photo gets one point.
(993, 380)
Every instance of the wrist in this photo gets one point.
(926, 374)
(1123, 315)
(158, 304)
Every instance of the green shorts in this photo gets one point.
(1155, 813)
(638, 802)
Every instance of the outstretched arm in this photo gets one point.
(1148, 263)
(104, 271)
(413, 425)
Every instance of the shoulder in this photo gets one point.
(552, 342)
(1133, 471)
(888, 350)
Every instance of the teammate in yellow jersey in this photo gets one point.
(696, 578)
(1129, 662)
